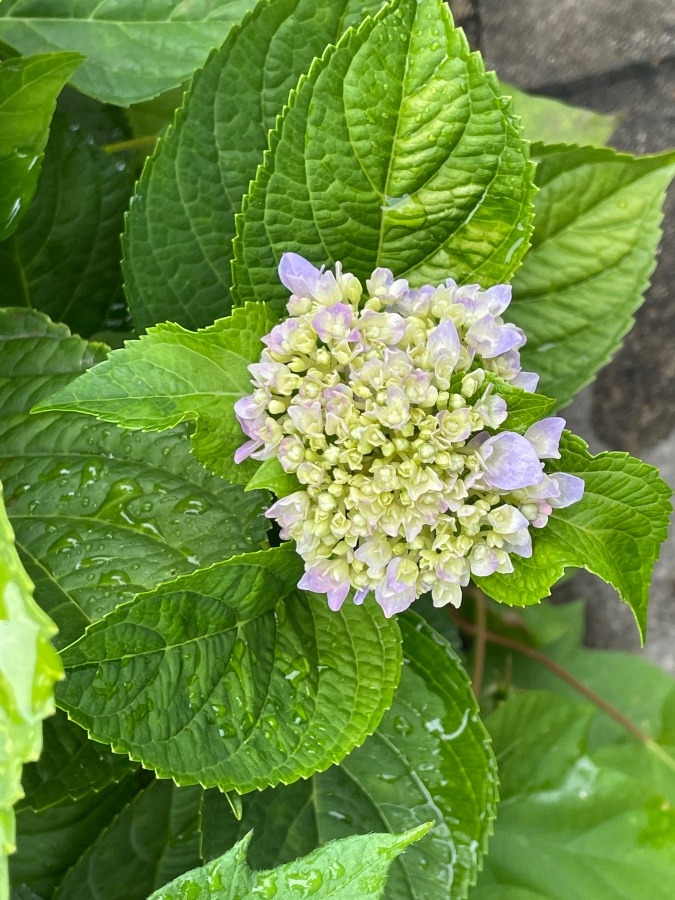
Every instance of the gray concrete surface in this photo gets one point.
(611, 56)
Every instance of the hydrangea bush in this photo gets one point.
(272, 571)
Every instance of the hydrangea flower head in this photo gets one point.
(382, 404)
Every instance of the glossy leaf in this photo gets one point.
(29, 666)
(597, 222)
(70, 767)
(64, 259)
(125, 842)
(429, 760)
(601, 831)
(28, 92)
(172, 375)
(179, 230)
(353, 867)
(225, 684)
(397, 150)
(554, 122)
(101, 514)
(614, 531)
(134, 50)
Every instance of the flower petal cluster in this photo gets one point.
(386, 406)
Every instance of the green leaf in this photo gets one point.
(397, 150)
(134, 50)
(615, 531)
(64, 259)
(70, 767)
(50, 842)
(272, 477)
(601, 831)
(101, 514)
(125, 842)
(429, 760)
(179, 229)
(172, 375)
(253, 679)
(353, 867)
(524, 408)
(554, 122)
(29, 666)
(28, 92)
(593, 250)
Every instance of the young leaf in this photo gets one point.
(397, 150)
(272, 477)
(155, 45)
(29, 666)
(64, 257)
(614, 531)
(101, 514)
(172, 375)
(126, 842)
(70, 767)
(342, 870)
(227, 684)
(179, 229)
(28, 92)
(593, 250)
(553, 122)
(603, 826)
(429, 760)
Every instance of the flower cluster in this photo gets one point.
(387, 409)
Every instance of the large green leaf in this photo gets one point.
(125, 842)
(29, 666)
(225, 684)
(181, 222)
(429, 760)
(70, 766)
(134, 50)
(64, 259)
(574, 823)
(28, 92)
(614, 531)
(101, 514)
(172, 375)
(553, 122)
(397, 150)
(593, 250)
(342, 870)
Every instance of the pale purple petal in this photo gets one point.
(333, 323)
(509, 462)
(527, 381)
(520, 543)
(571, 490)
(360, 596)
(545, 437)
(484, 561)
(246, 450)
(298, 275)
(497, 298)
(394, 596)
(491, 338)
(250, 407)
(443, 342)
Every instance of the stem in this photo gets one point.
(563, 674)
(480, 630)
(140, 143)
